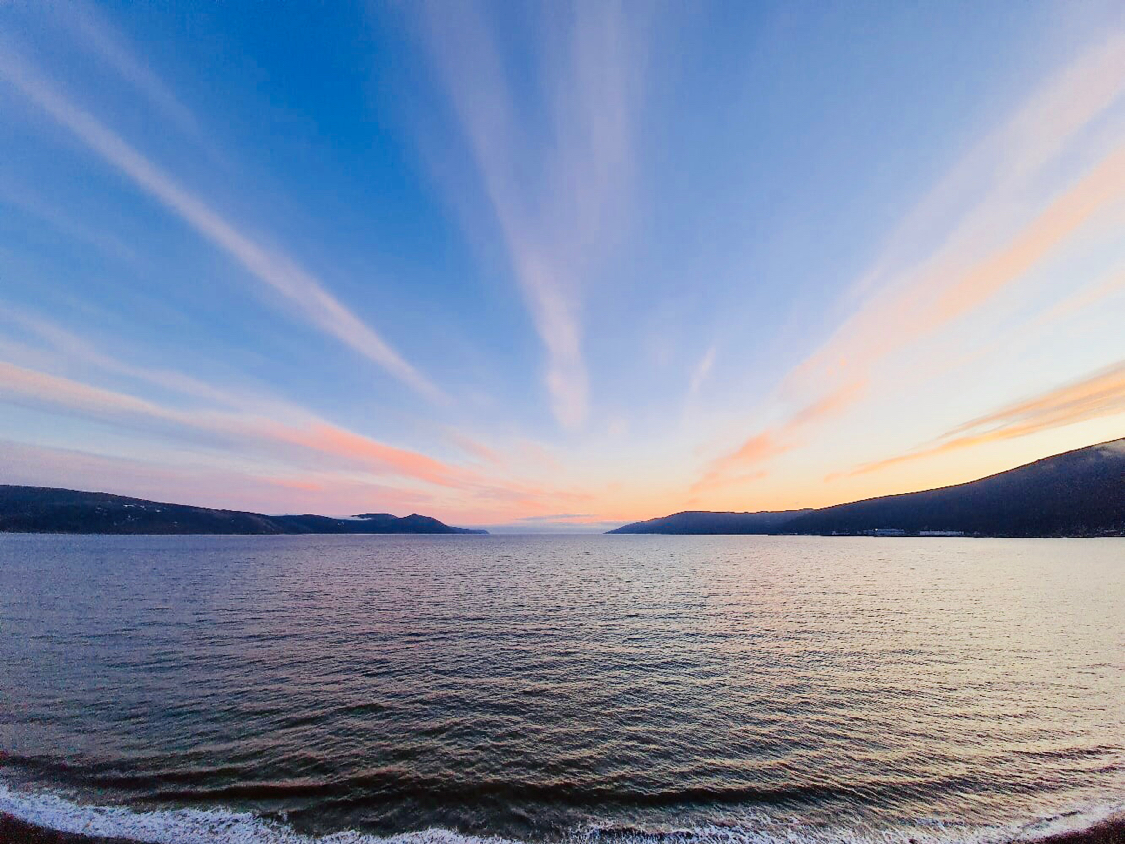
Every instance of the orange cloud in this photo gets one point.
(758, 448)
(42, 389)
(831, 405)
(296, 444)
(1100, 395)
(1102, 185)
(478, 450)
(909, 298)
(330, 439)
(202, 483)
(931, 301)
(780, 438)
(1081, 300)
(936, 298)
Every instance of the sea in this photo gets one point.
(617, 689)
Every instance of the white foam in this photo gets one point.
(768, 830)
(773, 831)
(191, 826)
(1083, 818)
(208, 826)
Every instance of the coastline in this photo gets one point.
(16, 831)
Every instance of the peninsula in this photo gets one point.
(32, 509)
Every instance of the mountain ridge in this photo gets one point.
(706, 522)
(1075, 493)
(31, 509)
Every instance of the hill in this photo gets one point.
(708, 522)
(1077, 493)
(29, 509)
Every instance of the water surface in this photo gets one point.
(542, 688)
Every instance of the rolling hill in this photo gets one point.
(1077, 493)
(29, 509)
(709, 522)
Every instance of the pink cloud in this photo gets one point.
(44, 390)
(199, 485)
(292, 448)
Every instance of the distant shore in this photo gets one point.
(15, 831)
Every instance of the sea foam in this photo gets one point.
(208, 826)
(191, 826)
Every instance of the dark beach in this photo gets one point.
(15, 831)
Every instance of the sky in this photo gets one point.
(556, 266)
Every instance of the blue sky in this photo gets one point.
(556, 265)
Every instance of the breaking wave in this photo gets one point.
(207, 826)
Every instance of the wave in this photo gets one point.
(191, 826)
(198, 786)
(208, 826)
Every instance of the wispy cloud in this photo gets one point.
(983, 228)
(978, 194)
(978, 216)
(201, 482)
(702, 370)
(64, 222)
(247, 433)
(1099, 395)
(291, 440)
(245, 422)
(555, 198)
(1083, 299)
(330, 439)
(305, 293)
(94, 33)
(777, 439)
(17, 382)
(931, 302)
(69, 346)
(477, 449)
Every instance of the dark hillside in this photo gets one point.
(30, 509)
(707, 522)
(1077, 493)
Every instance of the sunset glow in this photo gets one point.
(558, 267)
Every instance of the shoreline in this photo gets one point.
(16, 831)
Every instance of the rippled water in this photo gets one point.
(556, 687)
